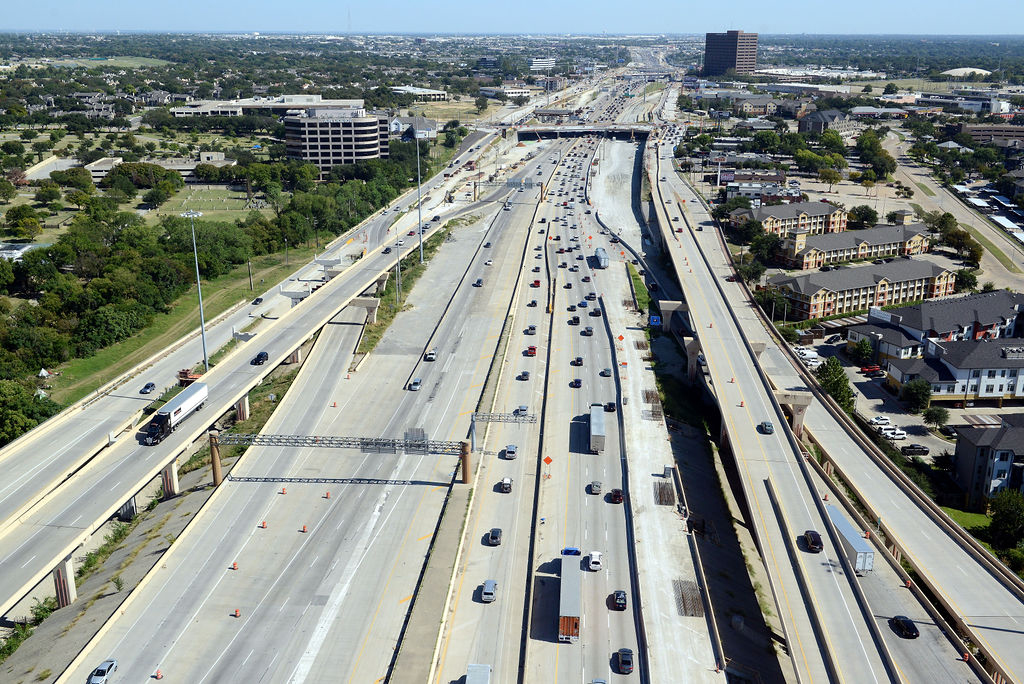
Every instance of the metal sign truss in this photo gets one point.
(366, 444)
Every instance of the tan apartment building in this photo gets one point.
(785, 220)
(802, 250)
(819, 294)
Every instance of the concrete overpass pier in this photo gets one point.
(170, 480)
(64, 583)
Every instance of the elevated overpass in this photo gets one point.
(619, 131)
(829, 629)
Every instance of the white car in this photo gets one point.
(880, 420)
(896, 434)
(489, 262)
(595, 561)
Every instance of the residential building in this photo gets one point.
(901, 333)
(963, 371)
(795, 108)
(732, 50)
(413, 127)
(553, 83)
(331, 137)
(818, 294)
(829, 120)
(803, 217)
(756, 106)
(989, 459)
(878, 113)
(802, 250)
(422, 94)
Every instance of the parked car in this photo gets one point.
(870, 369)
(896, 435)
(832, 339)
(947, 431)
(879, 420)
(813, 541)
(914, 450)
(904, 627)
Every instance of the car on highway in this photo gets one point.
(619, 599)
(399, 243)
(591, 296)
(494, 536)
(487, 245)
(610, 406)
(615, 496)
(586, 279)
(101, 675)
(524, 375)
(730, 278)
(595, 562)
(595, 487)
(596, 313)
(578, 361)
(568, 286)
(386, 250)
(147, 388)
(479, 282)
(530, 330)
(606, 372)
(586, 332)
(511, 451)
(624, 660)
(904, 627)
(489, 591)
(260, 359)
(813, 541)
(571, 307)
(431, 355)
(411, 233)
(257, 301)
(415, 385)
(575, 320)
(583, 304)
(489, 262)
(766, 427)
(576, 383)
(532, 302)
(531, 350)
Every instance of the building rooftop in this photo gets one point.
(945, 315)
(929, 368)
(974, 354)
(1009, 436)
(789, 211)
(887, 332)
(881, 234)
(898, 271)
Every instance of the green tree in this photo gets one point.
(156, 196)
(1007, 526)
(481, 104)
(47, 193)
(751, 271)
(890, 89)
(918, 394)
(866, 89)
(788, 333)
(893, 217)
(989, 286)
(19, 212)
(863, 351)
(833, 142)
(7, 190)
(966, 280)
(862, 216)
(829, 177)
(451, 139)
(834, 381)
(936, 416)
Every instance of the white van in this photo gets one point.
(489, 591)
(595, 561)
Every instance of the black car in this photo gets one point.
(610, 407)
(576, 383)
(494, 537)
(257, 301)
(387, 250)
(487, 244)
(914, 450)
(624, 660)
(832, 339)
(905, 627)
(615, 496)
(619, 599)
(813, 541)
(947, 430)
(260, 359)
(147, 388)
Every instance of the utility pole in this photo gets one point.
(192, 215)
(419, 193)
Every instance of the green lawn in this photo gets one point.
(925, 189)
(991, 248)
(217, 203)
(643, 297)
(975, 523)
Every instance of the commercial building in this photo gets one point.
(265, 106)
(185, 167)
(978, 104)
(829, 120)
(510, 92)
(542, 63)
(331, 137)
(989, 459)
(989, 133)
(820, 294)
(733, 50)
(785, 220)
(422, 94)
(802, 250)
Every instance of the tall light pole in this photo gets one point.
(192, 215)
(419, 193)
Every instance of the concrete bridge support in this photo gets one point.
(242, 408)
(371, 304)
(692, 364)
(218, 475)
(295, 295)
(64, 583)
(797, 403)
(170, 480)
(295, 356)
(464, 457)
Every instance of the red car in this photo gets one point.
(411, 232)
(730, 278)
(536, 283)
(531, 351)
(870, 369)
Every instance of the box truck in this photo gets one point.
(167, 417)
(597, 428)
(856, 548)
(569, 601)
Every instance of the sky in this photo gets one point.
(991, 17)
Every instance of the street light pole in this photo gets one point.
(192, 215)
(419, 193)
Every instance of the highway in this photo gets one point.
(31, 546)
(827, 632)
(342, 587)
(993, 611)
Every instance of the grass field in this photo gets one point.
(117, 61)
(464, 111)
(82, 376)
(925, 189)
(217, 203)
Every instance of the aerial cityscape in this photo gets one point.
(455, 350)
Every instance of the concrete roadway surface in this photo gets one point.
(30, 472)
(932, 658)
(768, 461)
(994, 612)
(30, 548)
(332, 602)
(490, 633)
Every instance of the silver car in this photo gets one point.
(101, 675)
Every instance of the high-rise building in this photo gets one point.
(330, 137)
(730, 50)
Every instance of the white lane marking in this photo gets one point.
(28, 561)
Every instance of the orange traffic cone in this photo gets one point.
(234, 566)
(158, 675)
(303, 529)
(238, 613)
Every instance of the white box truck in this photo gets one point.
(597, 432)
(183, 405)
(478, 674)
(856, 548)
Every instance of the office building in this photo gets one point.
(262, 106)
(733, 50)
(331, 137)
(542, 63)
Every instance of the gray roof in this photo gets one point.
(827, 116)
(420, 123)
(790, 211)
(944, 315)
(974, 354)
(881, 234)
(930, 369)
(1007, 437)
(897, 271)
(888, 332)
